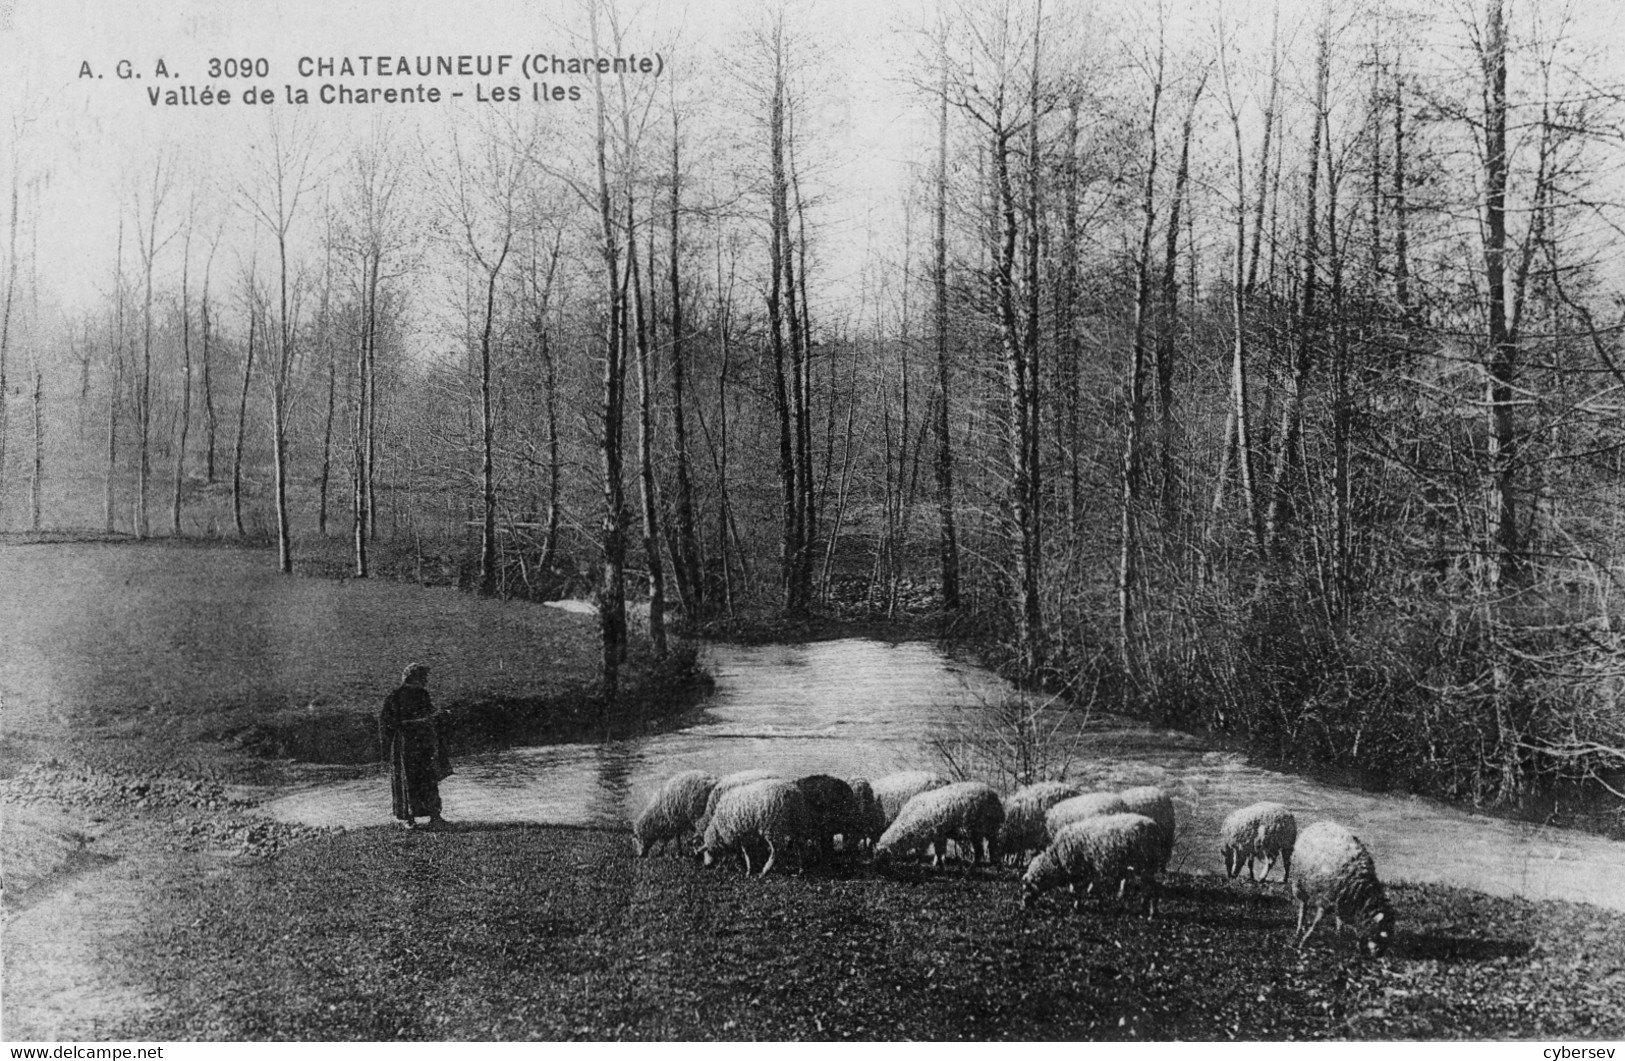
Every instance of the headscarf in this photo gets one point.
(415, 674)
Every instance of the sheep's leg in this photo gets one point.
(1286, 866)
(772, 853)
(1269, 868)
(1320, 912)
(744, 853)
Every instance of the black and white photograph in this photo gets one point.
(944, 521)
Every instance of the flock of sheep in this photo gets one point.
(1082, 841)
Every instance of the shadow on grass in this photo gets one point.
(1456, 950)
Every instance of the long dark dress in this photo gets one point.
(417, 759)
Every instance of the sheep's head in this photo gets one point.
(639, 846)
(1029, 892)
(1380, 933)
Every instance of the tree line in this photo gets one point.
(1254, 375)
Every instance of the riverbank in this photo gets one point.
(148, 897)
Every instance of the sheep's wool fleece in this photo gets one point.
(675, 807)
(1024, 812)
(895, 790)
(1261, 829)
(727, 783)
(1333, 870)
(1109, 848)
(772, 809)
(1157, 805)
(1088, 805)
(967, 810)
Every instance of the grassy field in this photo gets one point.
(150, 653)
(144, 686)
(551, 933)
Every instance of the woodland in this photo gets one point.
(1254, 370)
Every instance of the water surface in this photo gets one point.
(860, 708)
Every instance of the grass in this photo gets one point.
(550, 933)
(135, 652)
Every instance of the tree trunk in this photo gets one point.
(686, 554)
(1135, 388)
(279, 414)
(1287, 467)
(1168, 332)
(943, 464)
(488, 478)
(612, 593)
(210, 420)
(1014, 355)
(186, 385)
(779, 254)
(242, 423)
(650, 503)
(35, 502)
(5, 320)
(1402, 264)
(1505, 549)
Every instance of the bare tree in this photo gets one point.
(377, 237)
(280, 174)
(485, 199)
(148, 211)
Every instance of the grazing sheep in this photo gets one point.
(676, 805)
(834, 810)
(771, 812)
(968, 812)
(1335, 873)
(1023, 830)
(724, 784)
(871, 819)
(1155, 804)
(1262, 832)
(895, 790)
(1104, 850)
(1076, 808)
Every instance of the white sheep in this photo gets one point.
(1076, 808)
(1157, 805)
(725, 784)
(771, 812)
(968, 812)
(1336, 873)
(1023, 829)
(1262, 832)
(871, 818)
(676, 805)
(1098, 853)
(895, 790)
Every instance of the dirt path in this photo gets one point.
(89, 857)
(59, 984)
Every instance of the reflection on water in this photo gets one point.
(860, 708)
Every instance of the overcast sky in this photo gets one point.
(89, 134)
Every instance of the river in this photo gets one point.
(861, 708)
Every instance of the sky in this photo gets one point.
(91, 134)
(91, 129)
